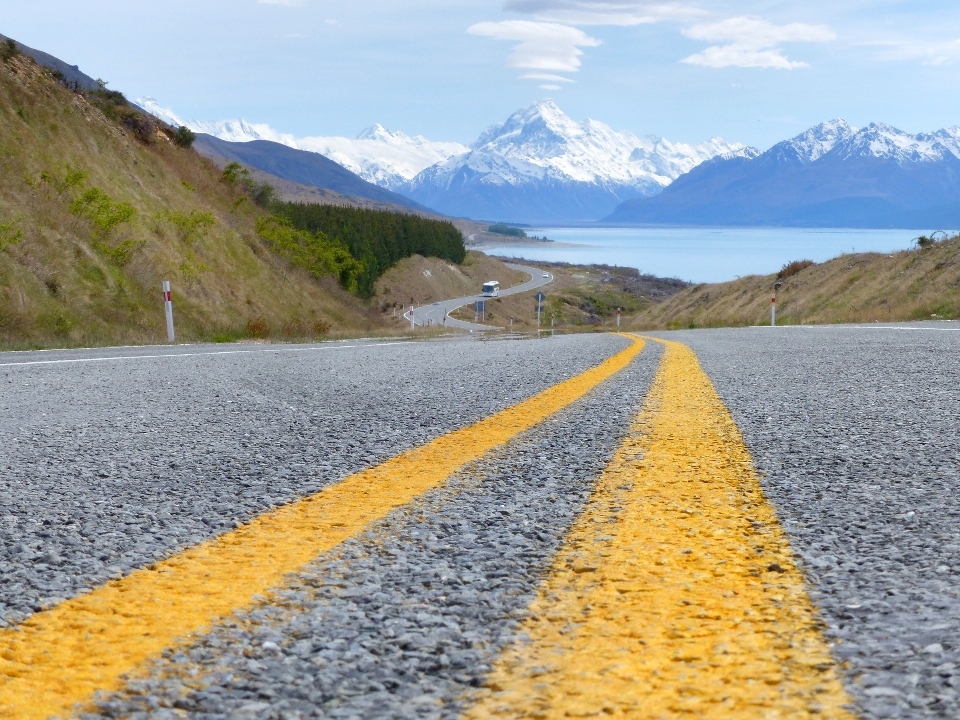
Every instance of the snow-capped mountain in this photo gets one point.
(830, 175)
(541, 166)
(811, 145)
(386, 158)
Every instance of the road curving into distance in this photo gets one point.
(770, 530)
(439, 312)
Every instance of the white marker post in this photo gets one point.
(168, 308)
(618, 317)
(412, 323)
(773, 311)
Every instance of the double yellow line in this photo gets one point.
(674, 595)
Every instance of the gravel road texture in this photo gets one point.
(856, 430)
(111, 464)
(405, 620)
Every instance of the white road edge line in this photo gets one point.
(195, 354)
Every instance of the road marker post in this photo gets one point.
(773, 303)
(540, 298)
(618, 317)
(168, 309)
(413, 325)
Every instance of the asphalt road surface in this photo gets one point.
(438, 312)
(116, 459)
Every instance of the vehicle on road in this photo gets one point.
(546, 275)
(491, 288)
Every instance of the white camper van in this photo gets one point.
(491, 288)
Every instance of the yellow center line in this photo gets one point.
(61, 657)
(675, 593)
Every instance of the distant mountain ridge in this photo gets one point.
(386, 158)
(832, 175)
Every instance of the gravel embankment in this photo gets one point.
(108, 465)
(405, 619)
(857, 432)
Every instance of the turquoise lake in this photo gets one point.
(705, 254)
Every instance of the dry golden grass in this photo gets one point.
(60, 286)
(920, 284)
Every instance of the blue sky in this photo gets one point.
(749, 71)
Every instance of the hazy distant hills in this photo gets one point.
(300, 166)
(832, 175)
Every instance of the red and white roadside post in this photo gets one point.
(618, 317)
(168, 309)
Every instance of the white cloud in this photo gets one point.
(930, 53)
(288, 3)
(752, 42)
(603, 12)
(545, 76)
(551, 87)
(550, 47)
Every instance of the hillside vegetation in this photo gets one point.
(919, 284)
(99, 204)
(375, 238)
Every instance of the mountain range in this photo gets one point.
(832, 175)
(541, 167)
(537, 166)
(386, 158)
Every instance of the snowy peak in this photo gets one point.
(541, 142)
(811, 145)
(378, 155)
(885, 141)
(838, 140)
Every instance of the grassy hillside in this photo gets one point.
(866, 287)
(76, 271)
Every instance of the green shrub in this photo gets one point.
(184, 136)
(72, 178)
(9, 50)
(10, 234)
(105, 213)
(233, 172)
(191, 227)
(312, 251)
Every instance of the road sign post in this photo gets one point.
(540, 298)
(168, 309)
